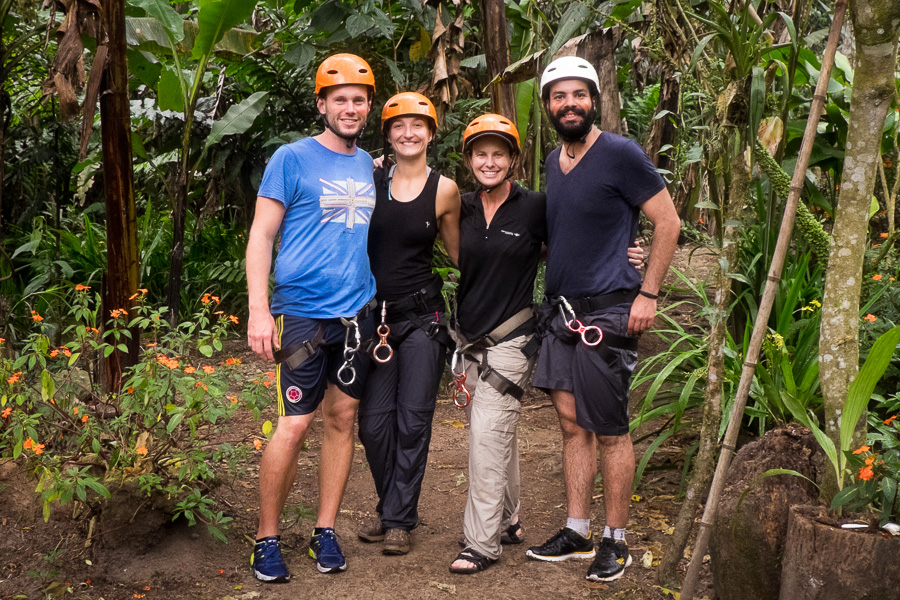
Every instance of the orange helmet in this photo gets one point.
(344, 69)
(491, 124)
(406, 104)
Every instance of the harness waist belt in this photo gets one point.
(417, 299)
(295, 355)
(600, 301)
(499, 333)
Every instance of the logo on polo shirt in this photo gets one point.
(293, 394)
(510, 232)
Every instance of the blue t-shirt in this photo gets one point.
(592, 217)
(322, 269)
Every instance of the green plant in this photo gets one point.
(161, 432)
(877, 465)
(858, 397)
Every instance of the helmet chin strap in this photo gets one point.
(571, 153)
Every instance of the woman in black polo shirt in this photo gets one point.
(502, 230)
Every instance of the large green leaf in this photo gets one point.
(163, 12)
(575, 16)
(524, 98)
(883, 350)
(150, 35)
(215, 17)
(238, 118)
(169, 92)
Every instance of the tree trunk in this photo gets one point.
(704, 464)
(662, 132)
(496, 52)
(876, 31)
(824, 562)
(173, 296)
(610, 101)
(118, 180)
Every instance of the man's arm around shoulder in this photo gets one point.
(666, 229)
(262, 334)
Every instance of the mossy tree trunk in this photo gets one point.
(875, 25)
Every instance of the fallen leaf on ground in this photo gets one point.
(456, 423)
(444, 587)
(647, 559)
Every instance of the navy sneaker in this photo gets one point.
(266, 561)
(324, 548)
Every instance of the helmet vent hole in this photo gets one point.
(363, 71)
(333, 72)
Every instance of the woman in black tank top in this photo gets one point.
(413, 204)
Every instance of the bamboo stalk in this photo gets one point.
(765, 307)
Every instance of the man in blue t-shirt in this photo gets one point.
(318, 194)
(598, 183)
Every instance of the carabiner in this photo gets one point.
(383, 331)
(346, 367)
(349, 351)
(576, 326)
(461, 391)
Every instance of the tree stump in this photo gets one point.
(824, 562)
(748, 540)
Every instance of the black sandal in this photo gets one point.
(471, 555)
(510, 536)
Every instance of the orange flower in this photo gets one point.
(38, 448)
(8, 410)
(219, 312)
(118, 312)
(876, 246)
(141, 450)
(189, 370)
(165, 361)
(36, 317)
(229, 361)
(876, 277)
(53, 353)
(143, 291)
(82, 288)
(861, 449)
(866, 473)
(130, 390)
(267, 383)
(870, 460)
(92, 329)
(270, 374)
(146, 588)
(233, 319)
(871, 318)
(890, 420)
(209, 370)
(205, 298)
(152, 344)
(84, 419)
(66, 352)
(136, 595)
(884, 234)
(14, 379)
(232, 398)
(257, 444)
(221, 571)
(28, 443)
(75, 411)
(133, 296)
(2, 340)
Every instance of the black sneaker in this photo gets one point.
(564, 545)
(612, 558)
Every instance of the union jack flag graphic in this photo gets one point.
(344, 201)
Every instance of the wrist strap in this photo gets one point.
(648, 295)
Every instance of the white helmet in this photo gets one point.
(569, 67)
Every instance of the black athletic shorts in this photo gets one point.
(300, 391)
(598, 380)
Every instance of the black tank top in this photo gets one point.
(401, 239)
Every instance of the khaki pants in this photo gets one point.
(493, 448)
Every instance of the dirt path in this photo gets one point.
(177, 562)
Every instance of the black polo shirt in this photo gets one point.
(498, 263)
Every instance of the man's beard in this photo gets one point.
(334, 125)
(573, 133)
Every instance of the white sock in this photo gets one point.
(616, 534)
(581, 526)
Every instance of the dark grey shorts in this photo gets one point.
(598, 380)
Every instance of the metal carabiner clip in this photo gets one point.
(460, 378)
(383, 331)
(349, 351)
(576, 326)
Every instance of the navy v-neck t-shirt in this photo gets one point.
(498, 262)
(592, 217)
